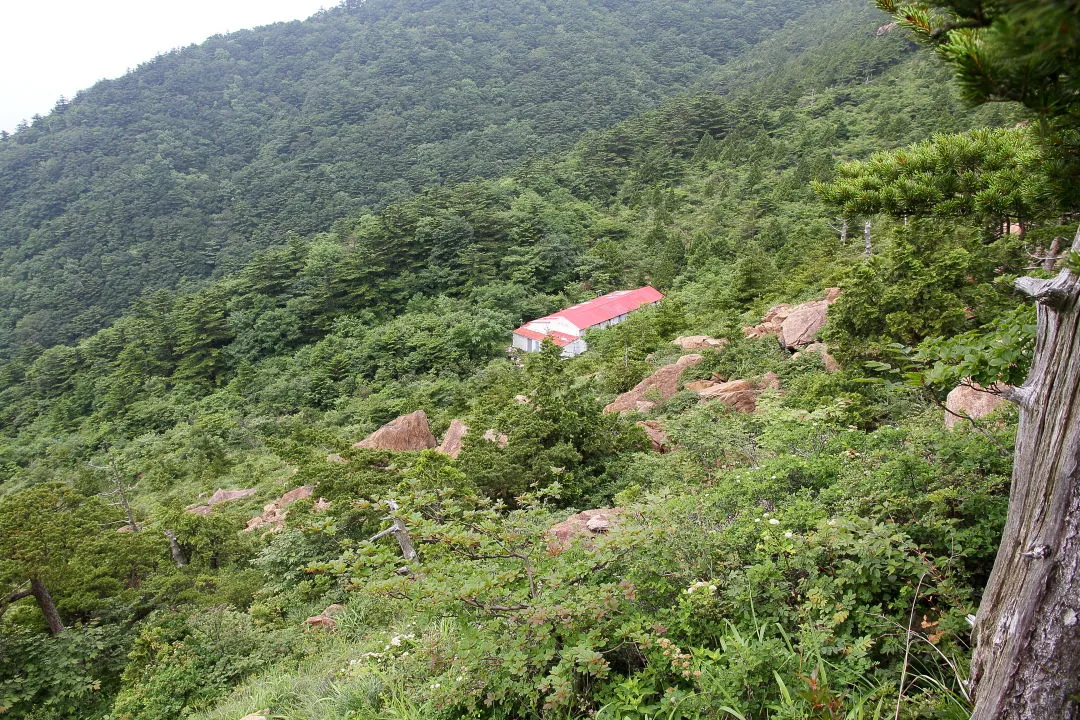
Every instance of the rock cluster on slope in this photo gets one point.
(795, 325)
(662, 384)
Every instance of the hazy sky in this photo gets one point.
(50, 48)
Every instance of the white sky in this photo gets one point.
(50, 48)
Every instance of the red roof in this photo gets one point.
(592, 312)
(560, 339)
(606, 307)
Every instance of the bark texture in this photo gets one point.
(48, 607)
(1026, 664)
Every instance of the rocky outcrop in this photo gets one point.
(451, 443)
(500, 439)
(408, 432)
(770, 323)
(274, 513)
(219, 496)
(802, 324)
(325, 619)
(586, 524)
(970, 400)
(797, 325)
(659, 439)
(700, 342)
(741, 395)
(662, 384)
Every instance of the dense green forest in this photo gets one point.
(186, 166)
(818, 557)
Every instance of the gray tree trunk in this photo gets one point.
(174, 548)
(1026, 664)
(868, 246)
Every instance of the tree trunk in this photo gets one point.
(174, 548)
(1026, 664)
(868, 247)
(48, 607)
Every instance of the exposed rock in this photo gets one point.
(700, 342)
(321, 505)
(801, 325)
(699, 385)
(795, 326)
(739, 394)
(770, 322)
(322, 622)
(970, 400)
(663, 383)
(584, 524)
(661, 443)
(335, 458)
(125, 528)
(500, 439)
(274, 513)
(408, 432)
(256, 716)
(219, 496)
(885, 29)
(598, 524)
(522, 399)
(451, 443)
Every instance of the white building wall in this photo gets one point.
(575, 348)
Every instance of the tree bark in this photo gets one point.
(174, 548)
(1026, 664)
(48, 607)
(868, 247)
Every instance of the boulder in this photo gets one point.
(770, 322)
(274, 513)
(797, 325)
(801, 325)
(493, 435)
(219, 496)
(700, 342)
(335, 458)
(663, 383)
(970, 400)
(408, 432)
(741, 395)
(586, 524)
(661, 443)
(451, 443)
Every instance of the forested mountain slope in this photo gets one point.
(187, 165)
(767, 566)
